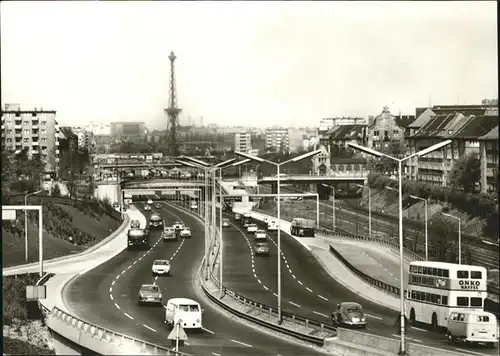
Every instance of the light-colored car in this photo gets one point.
(169, 234)
(265, 219)
(472, 326)
(150, 201)
(194, 205)
(150, 294)
(186, 232)
(178, 225)
(161, 267)
(135, 224)
(261, 248)
(349, 314)
(147, 207)
(158, 205)
(225, 223)
(260, 235)
(272, 225)
(252, 227)
(186, 311)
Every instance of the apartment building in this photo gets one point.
(36, 130)
(328, 123)
(85, 138)
(385, 130)
(488, 146)
(242, 141)
(463, 130)
(278, 139)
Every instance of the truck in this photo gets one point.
(303, 227)
(137, 238)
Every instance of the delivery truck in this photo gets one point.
(303, 227)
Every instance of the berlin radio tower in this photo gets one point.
(172, 112)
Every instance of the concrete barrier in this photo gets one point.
(377, 342)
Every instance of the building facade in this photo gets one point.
(329, 123)
(278, 139)
(321, 162)
(35, 130)
(242, 141)
(128, 129)
(488, 146)
(384, 131)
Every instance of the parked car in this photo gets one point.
(186, 232)
(349, 314)
(169, 234)
(149, 294)
(225, 223)
(161, 267)
(261, 248)
(135, 224)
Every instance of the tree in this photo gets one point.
(386, 165)
(56, 192)
(442, 234)
(465, 173)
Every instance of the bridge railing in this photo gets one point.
(343, 174)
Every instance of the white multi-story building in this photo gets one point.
(99, 128)
(242, 141)
(331, 122)
(278, 139)
(37, 130)
(85, 137)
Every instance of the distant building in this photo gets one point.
(128, 129)
(488, 145)
(384, 131)
(99, 128)
(321, 162)
(85, 138)
(329, 123)
(278, 139)
(242, 141)
(37, 130)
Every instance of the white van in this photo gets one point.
(472, 326)
(187, 310)
(272, 225)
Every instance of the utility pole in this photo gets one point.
(172, 112)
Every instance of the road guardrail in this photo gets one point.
(99, 339)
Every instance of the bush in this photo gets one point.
(56, 192)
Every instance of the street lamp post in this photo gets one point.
(369, 207)
(400, 183)
(459, 236)
(26, 222)
(332, 187)
(278, 166)
(426, 224)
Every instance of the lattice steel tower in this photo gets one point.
(172, 112)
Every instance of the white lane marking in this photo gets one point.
(149, 327)
(258, 280)
(128, 316)
(373, 316)
(320, 296)
(289, 270)
(266, 288)
(241, 343)
(295, 304)
(116, 305)
(113, 283)
(275, 294)
(185, 343)
(110, 290)
(309, 289)
(208, 331)
(294, 276)
(216, 354)
(419, 329)
(300, 283)
(111, 296)
(255, 275)
(321, 314)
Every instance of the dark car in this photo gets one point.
(155, 221)
(262, 248)
(158, 205)
(349, 314)
(149, 294)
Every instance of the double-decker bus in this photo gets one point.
(435, 289)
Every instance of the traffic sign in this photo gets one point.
(8, 214)
(182, 333)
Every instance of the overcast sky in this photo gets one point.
(248, 63)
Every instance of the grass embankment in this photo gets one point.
(20, 335)
(66, 230)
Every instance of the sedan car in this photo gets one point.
(150, 294)
(261, 248)
(186, 232)
(260, 235)
(237, 216)
(225, 223)
(161, 267)
(252, 227)
(158, 205)
(150, 202)
(169, 234)
(147, 207)
(178, 225)
(135, 224)
(349, 314)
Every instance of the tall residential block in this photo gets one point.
(36, 130)
(278, 139)
(242, 141)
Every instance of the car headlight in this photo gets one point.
(160, 296)
(363, 319)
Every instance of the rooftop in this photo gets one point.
(477, 126)
(347, 132)
(492, 135)
(422, 119)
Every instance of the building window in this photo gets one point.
(44, 132)
(395, 132)
(26, 132)
(26, 123)
(375, 133)
(44, 140)
(26, 140)
(43, 123)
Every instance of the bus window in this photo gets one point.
(476, 275)
(424, 270)
(420, 269)
(446, 273)
(476, 302)
(462, 301)
(434, 272)
(462, 274)
(444, 300)
(440, 272)
(434, 298)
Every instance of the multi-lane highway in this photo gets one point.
(306, 288)
(107, 295)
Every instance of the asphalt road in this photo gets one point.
(307, 289)
(107, 295)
